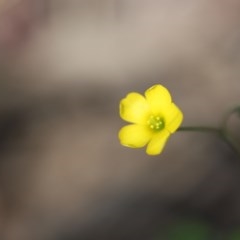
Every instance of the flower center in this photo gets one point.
(156, 123)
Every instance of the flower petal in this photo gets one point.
(134, 136)
(158, 98)
(134, 108)
(157, 143)
(173, 118)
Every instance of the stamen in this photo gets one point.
(156, 123)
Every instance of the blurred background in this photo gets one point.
(64, 66)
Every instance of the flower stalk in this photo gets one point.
(220, 132)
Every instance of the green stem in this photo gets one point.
(200, 129)
(230, 142)
(221, 132)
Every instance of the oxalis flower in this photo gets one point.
(153, 118)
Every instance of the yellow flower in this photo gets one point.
(153, 118)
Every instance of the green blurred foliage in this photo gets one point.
(194, 229)
(190, 230)
(235, 235)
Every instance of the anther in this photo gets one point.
(155, 123)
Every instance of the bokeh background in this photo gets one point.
(64, 66)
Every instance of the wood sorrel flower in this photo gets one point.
(153, 118)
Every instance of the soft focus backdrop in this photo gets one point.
(64, 66)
